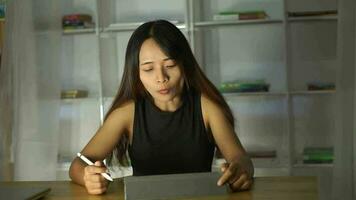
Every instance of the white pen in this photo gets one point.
(87, 161)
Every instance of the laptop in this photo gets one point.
(20, 192)
(173, 186)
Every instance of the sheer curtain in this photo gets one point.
(30, 89)
(344, 182)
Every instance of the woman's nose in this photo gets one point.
(161, 76)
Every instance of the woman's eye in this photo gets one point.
(147, 70)
(170, 66)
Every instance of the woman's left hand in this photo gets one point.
(238, 174)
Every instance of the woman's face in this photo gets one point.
(159, 74)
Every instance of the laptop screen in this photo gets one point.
(173, 186)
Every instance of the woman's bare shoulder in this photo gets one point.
(207, 103)
(126, 107)
(124, 112)
(208, 107)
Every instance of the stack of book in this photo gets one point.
(321, 86)
(77, 21)
(312, 13)
(244, 86)
(72, 94)
(2, 10)
(246, 15)
(318, 155)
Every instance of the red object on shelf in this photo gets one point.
(77, 17)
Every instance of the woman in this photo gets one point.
(167, 115)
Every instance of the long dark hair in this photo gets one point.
(174, 45)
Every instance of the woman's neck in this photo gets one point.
(169, 106)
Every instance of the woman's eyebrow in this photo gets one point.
(150, 62)
(145, 63)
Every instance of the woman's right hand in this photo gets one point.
(94, 182)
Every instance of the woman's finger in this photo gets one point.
(247, 185)
(97, 178)
(95, 185)
(240, 181)
(224, 166)
(227, 174)
(233, 179)
(97, 191)
(95, 169)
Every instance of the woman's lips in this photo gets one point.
(163, 91)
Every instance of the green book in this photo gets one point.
(318, 150)
(318, 155)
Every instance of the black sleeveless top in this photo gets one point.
(170, 142)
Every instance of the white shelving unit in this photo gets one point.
(287, 52)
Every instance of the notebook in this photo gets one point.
(173, 186)
(23, 192)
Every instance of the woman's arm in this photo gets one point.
(238, 171)
(103, 142)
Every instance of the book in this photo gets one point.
(318, 155)
(312, 13)
(77, 21)
(321, 86)
(219, 17)
(71, 94)
(2, 10)
(244, 86)
(318, 150)
(78, 26)
(77, 17)
(252, 15)
(246, 15)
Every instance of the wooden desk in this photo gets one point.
(274, 188)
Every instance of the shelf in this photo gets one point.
(120, 27)
(236, 22)
(326, 165)
(79, 31)
(221, 49)
(235, 94)
(314, 18)
(310, 92)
